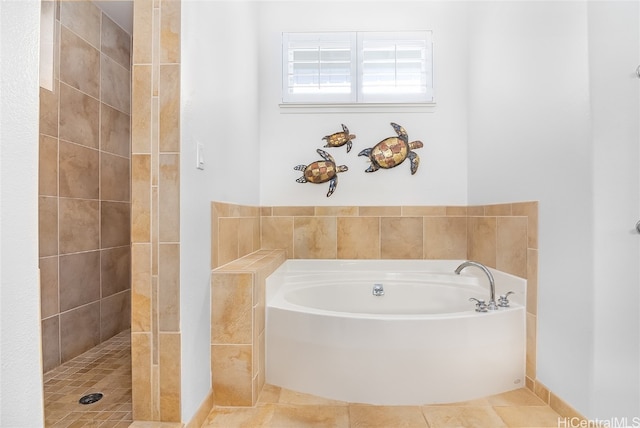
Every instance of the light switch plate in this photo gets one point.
(199, 155)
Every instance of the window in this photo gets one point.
(363, 67)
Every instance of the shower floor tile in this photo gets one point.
(106, 369)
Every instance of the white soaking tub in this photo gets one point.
(421, 342)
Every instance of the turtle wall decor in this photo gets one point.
(321, 171)
(392, 151)
(339, 139)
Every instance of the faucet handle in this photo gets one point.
(503, 300)
(481, 306)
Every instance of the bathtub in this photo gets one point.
(422, 342)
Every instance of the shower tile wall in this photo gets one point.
(84, 185)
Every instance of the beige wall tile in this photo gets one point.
(115, 270)
(141, 119)
(141, 392)
(231, 308)
(475, 211)
(141, 198)
(169, 198)
(49, 110)
(79, 63)
(83, 18)
(170, 108)
(227, 239)
(115, 85)
(481, 240)
(564, 409)
(445, 237)
(401, 238)
(79, 117)
(47, 226)
(79, 225)
(115, 313)
(49, 286)
(529, 210)
(314, 238)
(79, 279)
(277, 233)
(423, 211)
(380, 211)
(143, 24)
(511, 245)
(358, 237)
(541, 391)
(79, 330)
(497, 210)
(79, 171)
(115, 224)
(169, 287)
(115, 131)
(170, 31)
(245, 235)
(531, 346)
(141, 287)
(114, 178)
(231, 375)
(50, 343)
(532, 281)
(265, 211)
(336, 211)
(456, 211)
(115, 42)
(293, 211)
(170, 377)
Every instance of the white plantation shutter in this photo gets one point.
(319, 67)
(395, 67)
(350, 67)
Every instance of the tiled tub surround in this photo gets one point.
(84, 196)
(237, 327)
(502, 236)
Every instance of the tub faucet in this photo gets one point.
(492, 286)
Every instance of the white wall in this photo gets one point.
(554, 117)
(21, 403)
(289, 139)
(219, 110)
(614, 53)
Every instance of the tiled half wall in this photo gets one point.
(503, 236)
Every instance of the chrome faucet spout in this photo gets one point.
(492, 285)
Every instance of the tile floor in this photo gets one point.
(105, 368)
(281, 408)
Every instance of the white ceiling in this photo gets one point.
(121, 11)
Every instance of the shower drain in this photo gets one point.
(91, 398)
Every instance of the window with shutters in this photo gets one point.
(357, 67)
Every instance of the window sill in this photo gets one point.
(300, 108)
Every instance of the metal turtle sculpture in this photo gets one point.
(392, 151)
(321, 171)
(339, 139)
